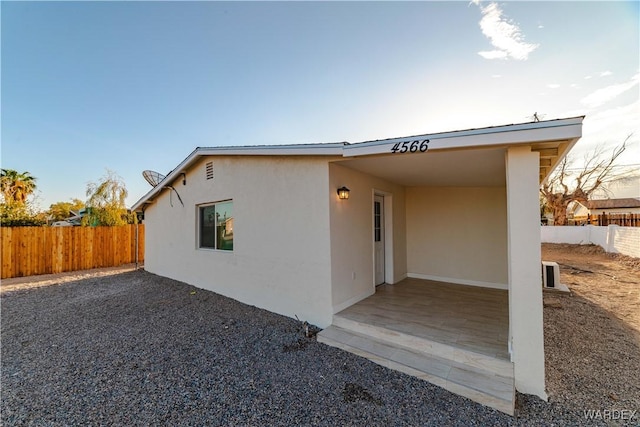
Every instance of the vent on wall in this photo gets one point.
(209, 170)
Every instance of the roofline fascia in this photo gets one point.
(333, 149)
(508, 135)
(500, 135)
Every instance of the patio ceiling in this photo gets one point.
(460, 168)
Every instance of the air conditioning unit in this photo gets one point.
(550, 274)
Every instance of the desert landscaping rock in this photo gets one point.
(139, 349)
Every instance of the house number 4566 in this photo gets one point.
(411, 146)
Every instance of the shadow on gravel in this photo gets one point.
(299, 345)
(354, 392)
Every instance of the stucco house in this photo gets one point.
(579, 213)
(624, 205)
(369, 241)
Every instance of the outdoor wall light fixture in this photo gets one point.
(343, 193)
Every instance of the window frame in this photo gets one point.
(199, 224)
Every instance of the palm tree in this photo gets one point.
(16, 186)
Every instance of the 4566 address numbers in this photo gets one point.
(411, 146)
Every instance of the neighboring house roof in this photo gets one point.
(629, 202)
(551, 138)
(76, 217)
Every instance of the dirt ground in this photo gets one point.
(611, 281)
(592, 335)
(19, 283)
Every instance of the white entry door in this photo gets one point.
(378, 238)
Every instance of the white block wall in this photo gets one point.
(612, 238)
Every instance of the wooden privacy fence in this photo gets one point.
(28, 251)
(623, 220)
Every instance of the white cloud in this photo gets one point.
(574, 85)
(623, 119)
(605, 73)
(606, 94)
(505, 36)
(496, 76)
(588, 77)
(609, 128)
(493, 54)
(553, 86)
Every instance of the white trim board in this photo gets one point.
(478, 283)
(348, 303)
(387, 206)
(509, 135)
(399, 279)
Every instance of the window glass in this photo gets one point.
(224, 226)
(216, 226)
(207, 227)
(377, 225)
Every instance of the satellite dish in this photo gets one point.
(154, 178)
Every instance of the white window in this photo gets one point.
(215, 223)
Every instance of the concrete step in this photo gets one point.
(478, 384)
(486, 362)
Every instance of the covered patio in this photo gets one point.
(456, 249)
(451, 335)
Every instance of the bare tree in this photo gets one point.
(569, 184)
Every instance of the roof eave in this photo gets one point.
(557, 159)
(567, 130)
(507, 135)
(334, 149)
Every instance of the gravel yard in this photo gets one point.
(137, 349)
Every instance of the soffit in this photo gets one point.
(459, 168)
(551, 152)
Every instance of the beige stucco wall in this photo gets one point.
(458, 235)
(526, 332)
(281, 257)
(352, 234)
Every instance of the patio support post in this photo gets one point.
(524, 261)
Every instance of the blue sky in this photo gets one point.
(138, 85)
